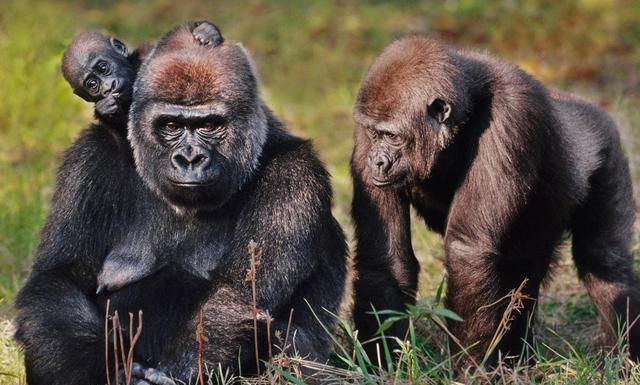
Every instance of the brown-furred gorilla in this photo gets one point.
(214, 171)
(501, 167)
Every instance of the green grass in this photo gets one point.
(311, 57)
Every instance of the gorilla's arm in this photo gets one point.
(60, 330)
(191, 35)
(384, 255)
(490, 245)
(86, 201)
(58, 322)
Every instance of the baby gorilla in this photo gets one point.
(101, 70)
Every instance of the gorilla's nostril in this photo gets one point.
(383, 163)
(180, 161)
(198, 159)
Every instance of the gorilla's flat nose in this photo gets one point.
(184, 160)
(107, 87)
(382, 163)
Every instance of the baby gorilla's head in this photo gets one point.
(98, 69)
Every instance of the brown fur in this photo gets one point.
(502, 169)
(202, 78)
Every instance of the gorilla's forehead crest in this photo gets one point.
(201, 75)
(414, 68)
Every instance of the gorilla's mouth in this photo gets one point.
(391, 180)
(383, 182)
(191, 184)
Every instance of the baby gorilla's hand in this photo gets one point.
(108, 106)
(207, 33)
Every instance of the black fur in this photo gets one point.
(280, 198)
(502, 168)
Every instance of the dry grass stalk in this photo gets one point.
(285, 346)
(269, 336)
(119, 348)
(516, 304)
(254, 257)
(106, 342)
(200, 339)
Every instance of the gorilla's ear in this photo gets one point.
(119, 46)
(439, 110)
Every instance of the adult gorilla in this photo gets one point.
(221, 172)
(502, 168)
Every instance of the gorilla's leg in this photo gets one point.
(602, 229)
(310, 306)
(484, 270)
(495, 324)
(228, 327)
(61, 330)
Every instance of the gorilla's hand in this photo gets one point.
(206, 33)
(108, 106)
(150, 376)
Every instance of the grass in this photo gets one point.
(311, 57)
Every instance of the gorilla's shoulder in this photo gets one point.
(98, 148)
(291, 175)
(286, 157)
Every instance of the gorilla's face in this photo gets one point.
(197, 126)
(403, 145)
(190, 168)
(388, 153)
(98, 67)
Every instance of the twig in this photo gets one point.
(269, 336)
(516, 304)
(253, 255)
(132, 343)
(122, 352)
(200, 337)
(286, 336)
(114, 321)
(106, 343)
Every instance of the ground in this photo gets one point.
(311, 57)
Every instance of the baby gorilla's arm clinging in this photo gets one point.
(191, 34)
(206, 33)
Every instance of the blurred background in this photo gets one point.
(311, 57)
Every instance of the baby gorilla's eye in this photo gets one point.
(91, 84)
(103, 67)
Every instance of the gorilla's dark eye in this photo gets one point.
(171, 126)
(390, 136)
(208, 127)
(103, 67)
(213, 127)
(91, 84)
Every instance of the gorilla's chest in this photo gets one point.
(432, 206)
